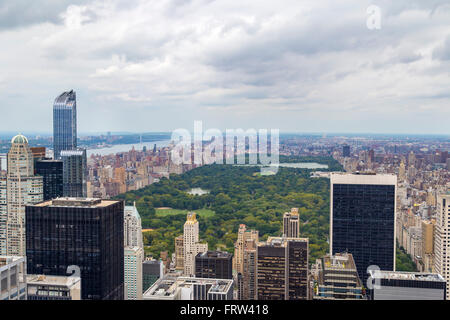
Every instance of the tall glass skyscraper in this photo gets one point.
(64, 123)
(362, 222)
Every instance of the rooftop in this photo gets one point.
(76, 202)
(340, 261)
(215, 254)
(170, 285)
(401, 275)
(52, 280)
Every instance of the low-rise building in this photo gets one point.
(13, 278)
(187, 288)
(43, 287)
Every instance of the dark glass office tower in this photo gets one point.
(282, 272)
(74, 173)
(87, 233)
(363, 219)
(346, 151)
(214, 264)
(64, 123)
(52, 173)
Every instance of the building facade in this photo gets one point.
(337, 278)
(42, 287)
(191, 243)
(362, 219)
(152, 270)
(291, 224)
(69, 233)
(52, 175)
(19, 188)
(442, 238)
(282, 269)
(13, 278)
(64, 123)
(74, 173)
(214, 264)
(132, 228)
(133, 272)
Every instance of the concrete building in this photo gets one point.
(132, 227)
(133, 257)
(42, 287)
(186, 288)
(19, 188)
(282, 269)
(248, 290)
(13, 278)
(243, 236)
(337, 278)
(191, 244)
(179, 253)
(442, 238)
(291, 224)
(390, 285)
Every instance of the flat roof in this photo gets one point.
(40, 279)
(169, 285)
(363, 178)
(402, 275)
(75, 202)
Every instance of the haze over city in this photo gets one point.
(308, 66)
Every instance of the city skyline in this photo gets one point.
(257, 65)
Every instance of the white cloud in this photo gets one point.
(288, 64)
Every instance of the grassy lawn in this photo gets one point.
(160, 212)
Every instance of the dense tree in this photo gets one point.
(237, 194)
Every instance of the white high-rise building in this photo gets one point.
(132, 227)
(442, 238)
(133, 273)
(22, 188)
(191, 244)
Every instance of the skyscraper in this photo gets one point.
(249, 275)
(362, 219)
(64, 123)
(133, 272)
(214, 264)
(337, 278)
(291, 224)
(179, 253)
(442, 238)
(282, 269)
(191, 244)
(19, 188)
(346, 151)
(132, 227)
(52, 174)
(152, 270)
(74, 173)
(69, 233)
(243, 236)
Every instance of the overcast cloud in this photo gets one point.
(307, 66)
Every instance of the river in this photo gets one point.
(127, 147)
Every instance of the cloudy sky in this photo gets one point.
(158, 65)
